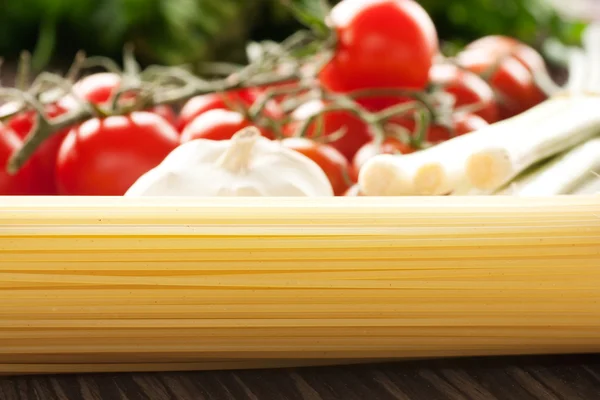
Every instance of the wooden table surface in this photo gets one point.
(548, 378)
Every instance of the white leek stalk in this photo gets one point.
(506, 157)
(590, 186)
(440, 169)
(560, 175)
(483, 161)
(493, 167)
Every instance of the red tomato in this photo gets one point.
(166, 112)
(201, 104)
(390, 145)
(96, 88)
(99, 89)
(104, 157)
(462, 123)
(511, 80)
(381, 43)
(467, 89)
(25, 181)
(501, 46)
(355, 131)
(353, 191)
(46, 154)
(504, 45)
(218, 124)
(331, 161)
(379, 103)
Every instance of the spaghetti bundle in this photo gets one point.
(107, 284)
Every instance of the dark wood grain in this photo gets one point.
(548, 378)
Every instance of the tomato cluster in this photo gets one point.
(102, 156)
(386, 55)
(392, 44)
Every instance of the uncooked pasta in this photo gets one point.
(124, 284)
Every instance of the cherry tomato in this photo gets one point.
(504, 45)
(331, 161)
(381, 43)
(166, 112)
(511, 80)
(390, 145)
(46, 153)
(353, 191)
(379, 103)
(100, 87)
(467, 88)
(25, 181)
(218, 124)
(200, 104)
(96, 88)
(352, 130)
(104, 157)
(462, 123)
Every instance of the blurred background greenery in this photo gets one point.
(191, 31)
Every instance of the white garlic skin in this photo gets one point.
(247, 165)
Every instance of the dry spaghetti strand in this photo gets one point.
(123, 284)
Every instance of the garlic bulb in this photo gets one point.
(246, 165)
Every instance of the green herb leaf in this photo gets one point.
(45, 45)
(312, 13)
